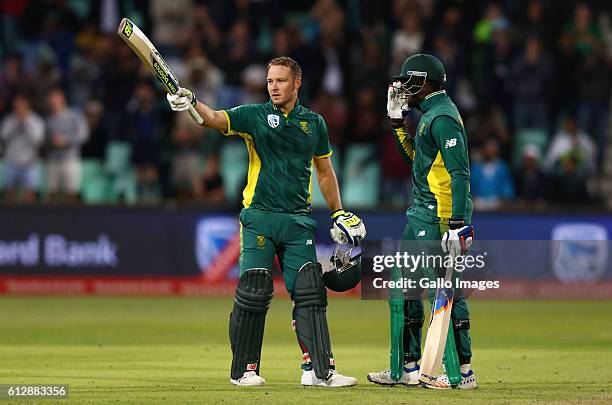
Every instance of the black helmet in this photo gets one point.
(345, 272)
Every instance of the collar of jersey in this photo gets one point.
(296, 107)
(431, 99)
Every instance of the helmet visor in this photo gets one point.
(410, 84)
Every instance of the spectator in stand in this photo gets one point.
(594, 83)
(531, 182)
(584, 32)
(22, 132)
(406, 41)
(96, 145)
(531, 77)
(204, 78)
(66, 131)
(334, 111)
(186, 164)
(212, 182)
(497, 75)
(11, 76)
(254, 85)
(491, 182)
(447, 50)
(571, 144)
(144, 124)
(364, 116)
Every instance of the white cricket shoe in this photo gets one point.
(468, 382)
(335, 380)
(410, 377)
(249, 379)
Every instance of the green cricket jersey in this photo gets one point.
(440, 162)
(281, 151)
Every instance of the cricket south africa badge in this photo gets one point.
(273, 120)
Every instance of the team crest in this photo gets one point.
(304, 126)
(421, 128)
(273, 120)
(261, 241)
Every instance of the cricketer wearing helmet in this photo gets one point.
(284, 140)
(441, 209)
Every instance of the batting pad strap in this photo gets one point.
(310, 300)
(247, 320)
(459, 324)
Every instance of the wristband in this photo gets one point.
(337, 213)
(455, 223)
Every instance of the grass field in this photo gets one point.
(175, 350)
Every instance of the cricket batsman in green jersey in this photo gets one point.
(441, 208)
(284, 140)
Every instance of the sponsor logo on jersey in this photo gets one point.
(422, 128)
(308, 242)
(304, 126)
(273, 120)
(450, 143)
(421, 233)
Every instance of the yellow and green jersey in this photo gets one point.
(281, 151)
(440, 162)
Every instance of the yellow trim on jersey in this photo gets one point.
(434, 93)
(406, 142)
(439, 182)
(254, 169)
(310, 183)
(324, 156)
(229, 132)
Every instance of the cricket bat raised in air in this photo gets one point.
(435, 342)
(144, 49)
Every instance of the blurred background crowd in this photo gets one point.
(81, 120)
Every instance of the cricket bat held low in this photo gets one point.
(435, 342)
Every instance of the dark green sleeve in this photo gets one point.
(239, 119)
(405, 144)
(448, 134)
(322, 149)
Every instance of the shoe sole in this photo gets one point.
(391, 384)
(236, 383)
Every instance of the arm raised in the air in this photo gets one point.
(184, 98)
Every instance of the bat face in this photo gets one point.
(163, 73)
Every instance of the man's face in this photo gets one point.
(56, 100)
(282, 86)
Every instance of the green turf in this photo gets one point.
(141, 350)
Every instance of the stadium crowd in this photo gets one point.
(82, 120)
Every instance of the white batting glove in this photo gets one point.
(347, 228)
(394, 103)
(181, 100)
(458, 239)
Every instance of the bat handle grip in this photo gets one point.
(194, 114)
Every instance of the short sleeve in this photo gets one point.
(239, 119)
(323, 149)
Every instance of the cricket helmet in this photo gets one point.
(345, 271)
(416, 70)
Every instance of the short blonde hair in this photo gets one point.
(296, 70)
